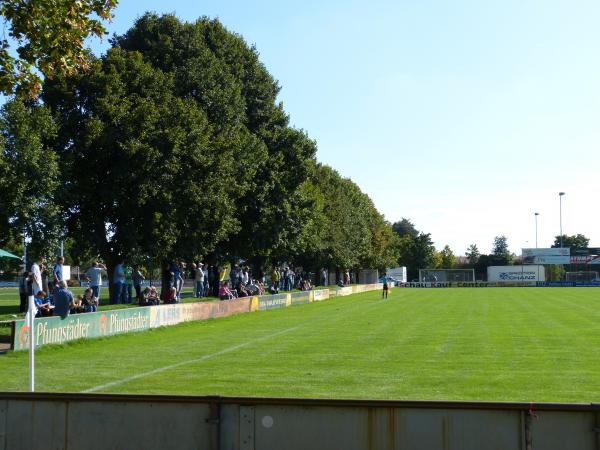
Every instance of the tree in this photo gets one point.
(577, 241)
(472, 254)
(405, 228)
(448, 259)
(500, 253)
(224, 76)
(148, 176)
(29, 177)
(49, 37)
(416, 253)
(346, 237)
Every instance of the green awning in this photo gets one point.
(5, 254)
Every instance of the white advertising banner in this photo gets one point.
(546, 255)
(531, 273)
(546, 251)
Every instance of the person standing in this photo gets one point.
(36, 276)
(23, 282)
(57, 270)
(206, 284)
(138, 277)
(199, 280)
(290, 279)
(384, 293)
(94, 277)
(127, 285)
(275, 278)
(323, 277)
(177, 279)
(118, 280)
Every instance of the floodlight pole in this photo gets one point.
(560, 196)
(536, 229)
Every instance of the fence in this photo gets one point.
(77, 421)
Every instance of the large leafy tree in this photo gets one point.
(347, 231)
(415, 248)
(47, 39)
(417, 253)
(148, 176)
(223, 75)
(500, 253)
(29, 177)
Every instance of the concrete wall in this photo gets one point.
(76, 421)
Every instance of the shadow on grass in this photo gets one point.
(9, 309)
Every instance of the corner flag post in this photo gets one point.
(30, 323)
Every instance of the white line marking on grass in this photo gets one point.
(191, 361)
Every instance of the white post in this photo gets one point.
(31, 322)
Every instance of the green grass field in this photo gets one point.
(500, 344)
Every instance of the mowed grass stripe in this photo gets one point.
(504, 344)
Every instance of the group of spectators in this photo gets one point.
(52, 296)
(51, 293)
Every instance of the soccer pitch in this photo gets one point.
(492, 344)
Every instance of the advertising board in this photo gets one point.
(272, 302)
(320, 294)
(528, 273)
(300, 298)
(546, 255)
(56, 330)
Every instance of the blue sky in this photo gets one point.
(465, 117)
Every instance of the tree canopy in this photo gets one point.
(49, 37)
(173, 144)
(576, 241)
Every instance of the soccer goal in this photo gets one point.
(446, 275)
(589, 275)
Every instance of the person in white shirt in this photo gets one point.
(94, 276)
(199, 279)
(36, 276)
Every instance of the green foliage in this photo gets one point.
(149, 176)
(415, 249)
(448, 259)
(405, 228)
(224, 77)
(49, 38)
(473, 255)
(173, 145)
(29, 176)
(576, 241)
(500, 252)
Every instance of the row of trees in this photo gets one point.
(417, 251)
(172, 144)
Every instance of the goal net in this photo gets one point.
(589, 275)
(446, 275)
